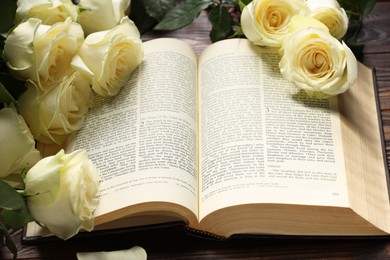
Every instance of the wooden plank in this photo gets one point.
(375, 33)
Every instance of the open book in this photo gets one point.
(223, 143)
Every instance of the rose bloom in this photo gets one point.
(316, 61)
(49, 11)
(57, 113)
(134, 253)
(99, 15)
(331, 14)
(17, 151)
(42, 53)
(264, 22)
(63, 193)
(109, 57)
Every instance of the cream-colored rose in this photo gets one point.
(98, 15)
(299, 22)
(57, 113)
(42, 53)
(63, 192)
(109, 57)
(331, 14)
(49, 11)
(264, 22)
(17, 150)
(317, 62)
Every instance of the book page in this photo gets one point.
(143, 140)
(261, 139)
(367, 173)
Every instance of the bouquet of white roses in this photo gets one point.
(307, 33)
(56, 55)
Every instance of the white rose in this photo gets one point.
(299, 22)
(331, 14)
(57, 113)
(264, 22)
(63, 193)
(317, 62)
(134, 253)
(49, 11)
(98, 15)
(109, 57)
(42, 53)
(17, 150)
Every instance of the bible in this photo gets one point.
(221, 142)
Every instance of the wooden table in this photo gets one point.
(175, 242)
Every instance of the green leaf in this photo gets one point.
(366, 7)
(238, 33)
(183, 14)
(230, 2)
(8, 240)
(5, 96)
(23, 174)
(7, 14)
(221, 22)
(10, 199)
(10, 87)
(243, 3)
(349, 4)
(140, 17)
(15, 218)
(158, 8)
(355, 46)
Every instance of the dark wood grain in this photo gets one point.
(175, 242)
